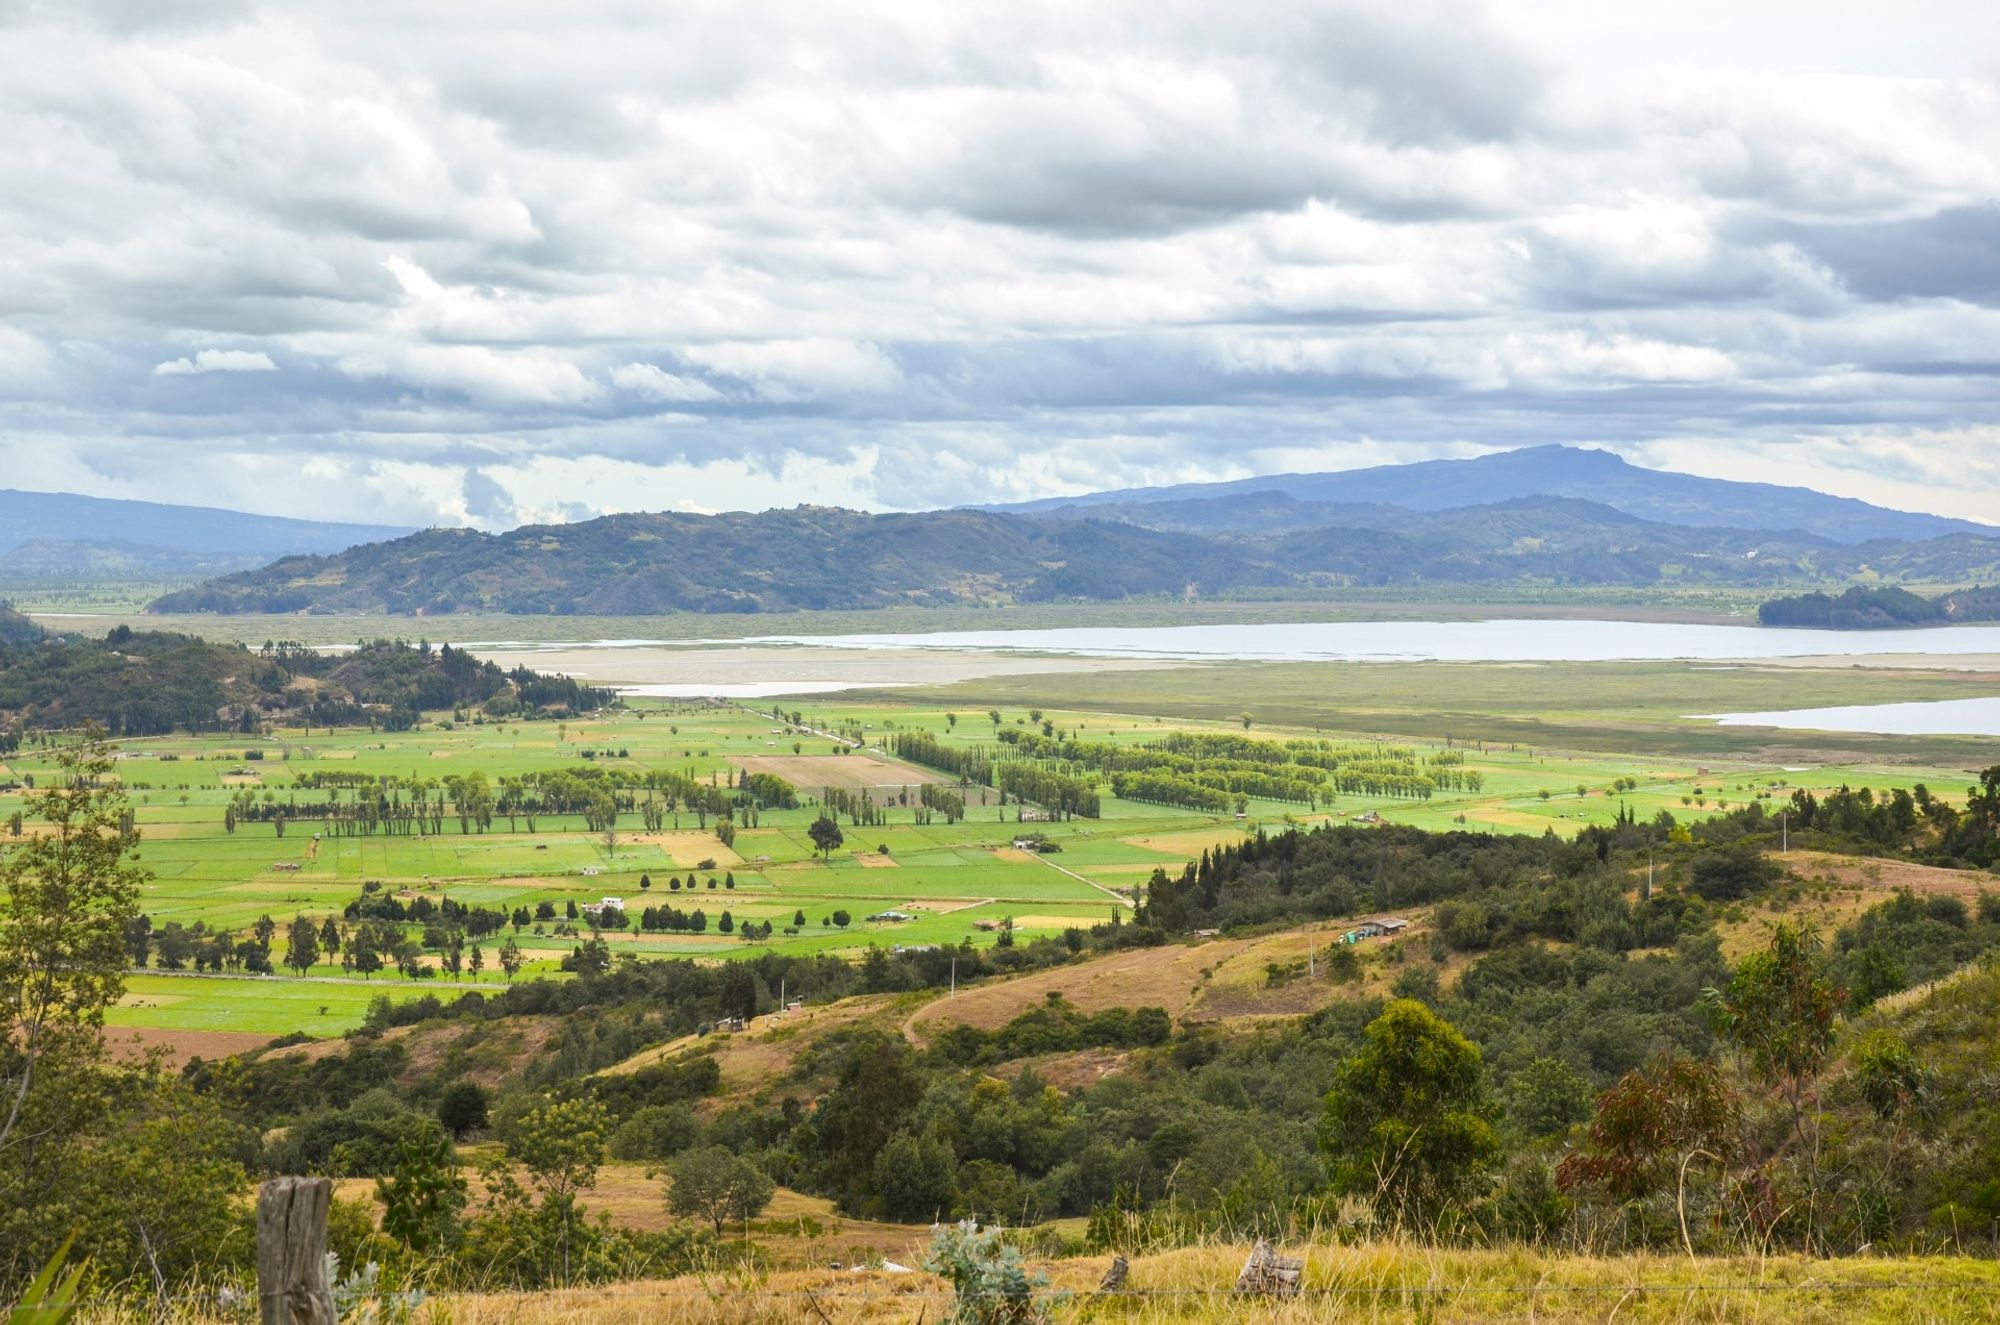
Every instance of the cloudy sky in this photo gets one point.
(498, 261)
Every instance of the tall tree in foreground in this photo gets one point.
(423, 1194)
(70, 894)
(561, 1145)
(68, 898)
(1779, 1009)
(1408, 1123)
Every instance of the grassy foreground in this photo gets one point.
(1377, 1282)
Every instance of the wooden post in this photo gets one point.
(1267, 1274)
(291, 1252)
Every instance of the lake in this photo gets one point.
(1940, 717)
(1431, 641)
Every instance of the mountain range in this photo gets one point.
(60, 534)
(1553, 471)
(1545, 516)
(1265, 544)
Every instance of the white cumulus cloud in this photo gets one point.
(217, 361)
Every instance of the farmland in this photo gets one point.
(229, 835)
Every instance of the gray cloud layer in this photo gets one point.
(429, 263)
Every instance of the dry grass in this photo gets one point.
(762, 1056)
(1838, 890)
(1878, 875)
(1146, 977)
(1383, 1283)
(685, 848)
(1220, 980)
(1188, 842)
(493, 1051)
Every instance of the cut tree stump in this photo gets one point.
(1267, 1274)
(1114, 1278)
(292, 1288)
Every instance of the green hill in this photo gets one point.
(1880, 607)
(136, 683)
(808, 557)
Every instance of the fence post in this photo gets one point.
(291, 1252)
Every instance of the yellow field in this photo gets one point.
(1382, 1283)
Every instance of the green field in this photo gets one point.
(956, 881)
(1603, 707)
(272, 1005)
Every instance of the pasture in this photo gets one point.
(952, 882)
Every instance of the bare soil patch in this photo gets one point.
(874, 860)
(133, 1043)
(811, 774)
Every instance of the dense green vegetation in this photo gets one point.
(1210, 772)
(809, 557)
(1340, 870)
(17, 631)
(143, 682)
(1881, 608)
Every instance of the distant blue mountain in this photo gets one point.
(54, 531)
(1560, 471)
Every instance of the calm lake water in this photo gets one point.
(1941, 717)
(1438, 641)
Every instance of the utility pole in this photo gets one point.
(1784, 832)
(954, 976)
(1312, 967)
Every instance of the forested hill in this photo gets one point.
(808, 557)
(136, 683)
(1881, 608)
(1266, 543)
(17, 631)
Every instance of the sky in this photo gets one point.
(499, 262)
